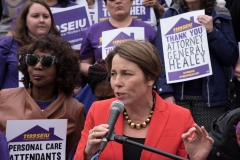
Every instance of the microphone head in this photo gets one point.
(117, 105)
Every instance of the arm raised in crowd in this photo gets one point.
(156, 6)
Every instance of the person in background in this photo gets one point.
(235, 13)
(99, 81)
(50, 73)
(91, 48)
(119, 17)
(134, 67)
(156, 5)
(8, 10)
(224, 130)
(205, 97)
(10, 7)
(34, 20)
(234, 7)
(50, 3)
(4, 153)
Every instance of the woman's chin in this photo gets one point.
(119, 14)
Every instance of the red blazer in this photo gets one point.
(168, 123)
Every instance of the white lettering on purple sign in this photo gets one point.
(136, 9)
(73, 25)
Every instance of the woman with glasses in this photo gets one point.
(34, 20)
(50, 73)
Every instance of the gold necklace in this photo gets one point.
(139, 125)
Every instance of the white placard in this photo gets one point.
(37, 139)
(115, 37)
(185, 47)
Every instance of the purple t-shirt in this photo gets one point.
(57, 5)
(4, 153)
(91, 45)
(8, 63)
(44, 104)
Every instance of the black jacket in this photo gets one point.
(235, 13)
(223, 131)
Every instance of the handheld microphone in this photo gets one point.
(116, 108)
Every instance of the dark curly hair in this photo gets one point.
(97, 73)
(206, 4)
(68, 72)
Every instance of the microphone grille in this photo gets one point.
(117, 105)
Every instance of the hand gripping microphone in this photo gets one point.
(116, 108)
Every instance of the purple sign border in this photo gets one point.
(204, 69)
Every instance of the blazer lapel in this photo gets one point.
(156, 127)
(116, 147)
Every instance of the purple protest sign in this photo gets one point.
(183, 25)
(72, 22)
(120, 38)
(115, 37)
(45, 138)
(188, 73)
(37, 133)
(138, 11)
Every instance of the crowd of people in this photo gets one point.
(40, 74)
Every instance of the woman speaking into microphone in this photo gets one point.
(134, 67)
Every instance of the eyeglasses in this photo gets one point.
(46, 61)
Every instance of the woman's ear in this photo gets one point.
(150, 82)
